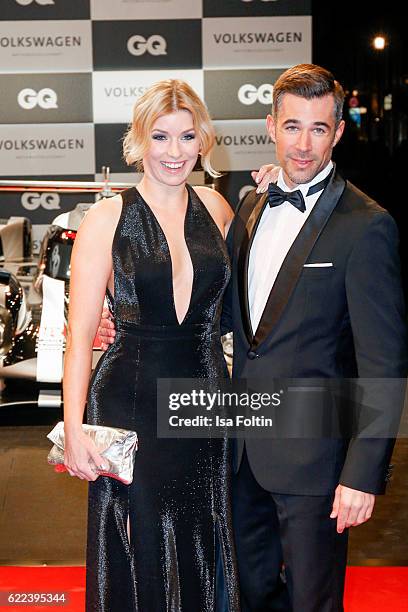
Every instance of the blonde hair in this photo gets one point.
(163, 98)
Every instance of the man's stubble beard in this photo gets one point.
(301, 180)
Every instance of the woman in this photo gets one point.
(162, 259)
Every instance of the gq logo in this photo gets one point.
(249, 94)
(155, 45)
(46, 98)
(32, 201)
(40, 2)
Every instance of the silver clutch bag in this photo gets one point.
(117, 446)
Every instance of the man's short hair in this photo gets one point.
(308, 81)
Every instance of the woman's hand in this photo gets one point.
(106, 329)
(266, 174)
(81, 455)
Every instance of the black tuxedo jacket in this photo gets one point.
(342, 321)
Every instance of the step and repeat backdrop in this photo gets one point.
(71, 70)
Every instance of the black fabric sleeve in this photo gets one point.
(378, 320)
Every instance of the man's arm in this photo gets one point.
(377, 316)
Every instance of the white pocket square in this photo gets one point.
(319, 265)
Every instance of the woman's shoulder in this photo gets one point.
(106, 207)
(102, 215)
(214, 201)
(207, 194)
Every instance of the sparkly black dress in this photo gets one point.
(179, 502)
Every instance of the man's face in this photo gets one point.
(305, 134)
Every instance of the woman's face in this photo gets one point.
(174, 148)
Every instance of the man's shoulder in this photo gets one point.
(357, 201)
(356, 213)
(249, 201)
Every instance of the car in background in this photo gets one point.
(18, 329)
(34, 306)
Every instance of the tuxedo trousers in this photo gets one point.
(290, 556)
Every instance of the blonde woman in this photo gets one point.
(158, 251)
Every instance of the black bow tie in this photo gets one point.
(277, 196)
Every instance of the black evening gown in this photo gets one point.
(179, 502)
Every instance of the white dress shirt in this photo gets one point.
(276, 232)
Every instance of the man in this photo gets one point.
(316, 293)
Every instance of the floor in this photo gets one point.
(43, 514)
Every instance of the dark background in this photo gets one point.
(375, 156)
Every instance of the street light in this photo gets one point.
(382, 97)
(379, 43)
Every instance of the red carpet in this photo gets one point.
(377, 589)
(369, 589)
(70, 580)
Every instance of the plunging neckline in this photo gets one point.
(166, 242)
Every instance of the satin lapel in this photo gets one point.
(292, 266)
(244, 249)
